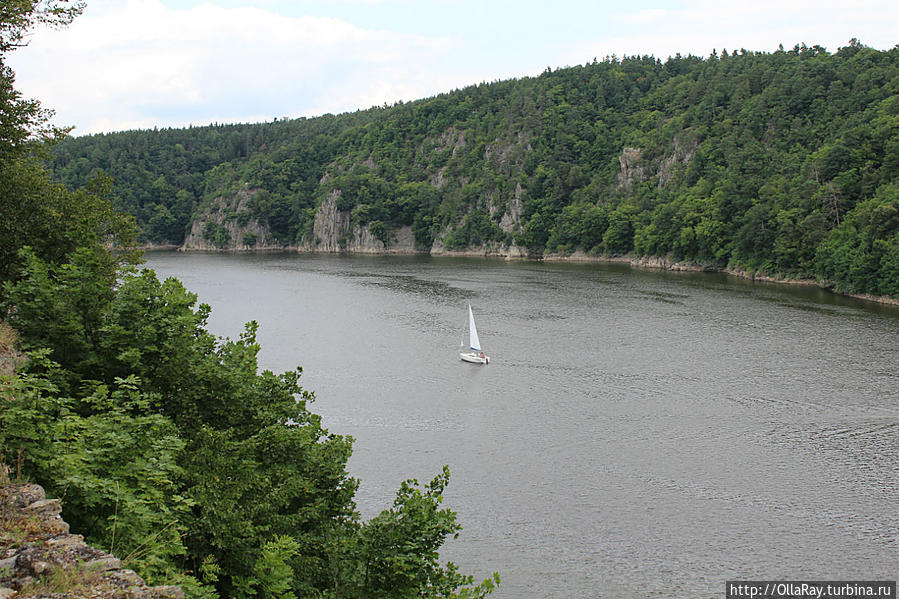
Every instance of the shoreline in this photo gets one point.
(646, 262)
(658, 263)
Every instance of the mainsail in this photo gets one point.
(473, 332)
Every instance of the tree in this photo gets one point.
(17, 17)
(109, 454)
(170, 446)
(399, 547)
(55, 222)
(20, 119)
(34, 211)
(142, 408)
(798, 134)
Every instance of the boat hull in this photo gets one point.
(474, 358)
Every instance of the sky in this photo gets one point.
(138, 64)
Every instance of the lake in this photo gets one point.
(636, 433)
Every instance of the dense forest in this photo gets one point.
(170, 447)
(166, 444)
(784, 163)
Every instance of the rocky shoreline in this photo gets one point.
(659, 263)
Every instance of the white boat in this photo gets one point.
(476, 355)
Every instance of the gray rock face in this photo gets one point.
(231, 214)
(25, 494)
(333, 232)
(227, 222)
(632, 170)
(38, 544)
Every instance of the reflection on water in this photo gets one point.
(636, 434)
(408, 284)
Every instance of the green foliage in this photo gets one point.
(862, 254)
(55, 222)
(112, 457)
(216, 234)
(579, 226)
(619, 235)
(476, 229)
(272, 575)
(170, 447)
(19, 117)
(380, 231)
(17, 17)
(748, 159)
(399, 547)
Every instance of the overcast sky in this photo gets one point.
(127, 64)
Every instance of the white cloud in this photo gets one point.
(145, 64)
(700, 26)
(138, 63)
(646, 17)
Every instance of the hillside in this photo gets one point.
(784, 163)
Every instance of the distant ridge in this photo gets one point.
(782, 163)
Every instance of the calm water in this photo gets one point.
(636, 434)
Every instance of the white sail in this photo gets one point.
(473, 332)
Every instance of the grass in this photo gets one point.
(17, 530)
(72, 580)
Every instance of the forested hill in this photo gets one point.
(785, 163)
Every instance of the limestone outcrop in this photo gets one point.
(40, 558)
(227, 223)
(333, 231)
(632, 170)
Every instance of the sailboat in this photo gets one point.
(476, 355)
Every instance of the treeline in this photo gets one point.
(782, 162)
(167, 445)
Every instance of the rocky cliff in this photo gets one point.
(40, 558)
(228, 223)
(637, 168)
(333, 231)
